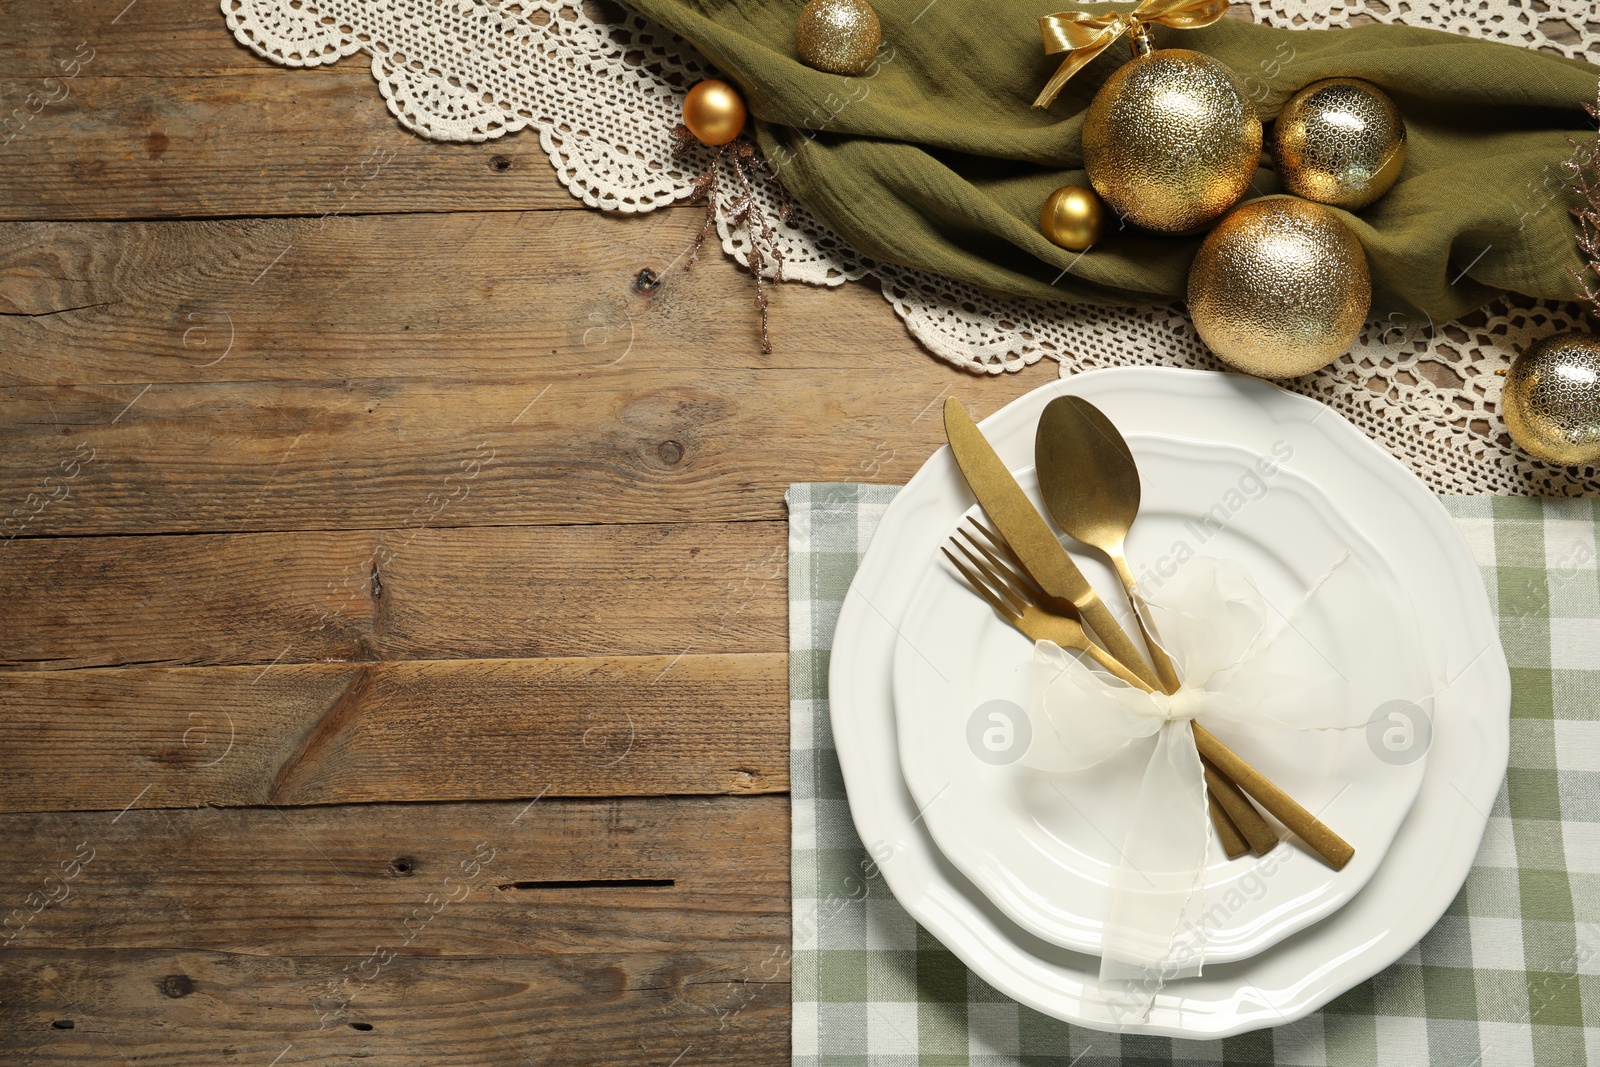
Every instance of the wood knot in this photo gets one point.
(500, 163)
(646, 281)
(176, 985)
(671, 452)
(604, 981)
(404, 867)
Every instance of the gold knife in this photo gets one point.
(1030, 537)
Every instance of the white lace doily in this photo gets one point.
(604, 91)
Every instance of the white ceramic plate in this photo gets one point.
(1432, 852)
(1045, 846)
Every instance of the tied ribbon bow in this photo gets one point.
(1083, 36)
(1246, 669)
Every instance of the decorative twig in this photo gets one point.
(743, 209)
(1584, 168)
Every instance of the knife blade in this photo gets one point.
(1030, 536)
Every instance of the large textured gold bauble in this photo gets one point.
(1340, 141)
(714, 111)
(1170, 141)
(1072, 217)
(1280, 288)
(838, 36)
(1551, 402)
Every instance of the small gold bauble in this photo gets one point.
(1551, 401)
(838, 36)
(714, 112)
(1280, 288)
(1072, 217)
(1170, 141)
(1341, 142)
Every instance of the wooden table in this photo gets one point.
(392, 605)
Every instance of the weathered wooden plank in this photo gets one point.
(548, 876)
(276, 142)
(75, 1009)
(420, 730)
(583, 931)
(447, 297)
(613, 1010)
(519, 592)
(151, 109)
(627, 446)
(148, 39)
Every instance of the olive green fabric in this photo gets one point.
(935, 158)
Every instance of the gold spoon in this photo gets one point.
(1090, 485)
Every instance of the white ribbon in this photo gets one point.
(1215, 625)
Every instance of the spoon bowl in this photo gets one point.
(1090, 484)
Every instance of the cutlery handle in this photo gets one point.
(1115, 666)
(1116, 640)
(1238, 823)
(1256, 830)
(1166, 673)
(1236, 819)
(1335, 850)
(1233, 843)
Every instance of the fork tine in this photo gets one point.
(1032, 591)
(1002, 546)
(977, 585)
(997, 584)
(1020, 586)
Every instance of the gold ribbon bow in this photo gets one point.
(1083, 36)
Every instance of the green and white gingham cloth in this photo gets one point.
(1510, 976)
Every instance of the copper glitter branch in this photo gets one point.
(744, 209)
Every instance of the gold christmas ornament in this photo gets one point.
(1551, 402)
(1280, 288)
(838, 36)
(1340, 141)
(714, 112)
(1072, 217)
(1170, 142)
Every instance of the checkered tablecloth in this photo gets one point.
(1510, 976)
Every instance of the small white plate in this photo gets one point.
(1045, 846)
(1434, 849)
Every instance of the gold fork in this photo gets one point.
(1023, 604)
(1018, 601)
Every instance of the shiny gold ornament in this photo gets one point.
(714, 112)
(838, 36)
(1341, 142)
(1551, 402)
(1072, 217)
(1170, 141)
(1280, 288)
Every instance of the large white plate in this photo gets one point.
(1431, 854)
(1045, 847)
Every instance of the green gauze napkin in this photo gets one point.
(1510, 977)
(937, 161)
